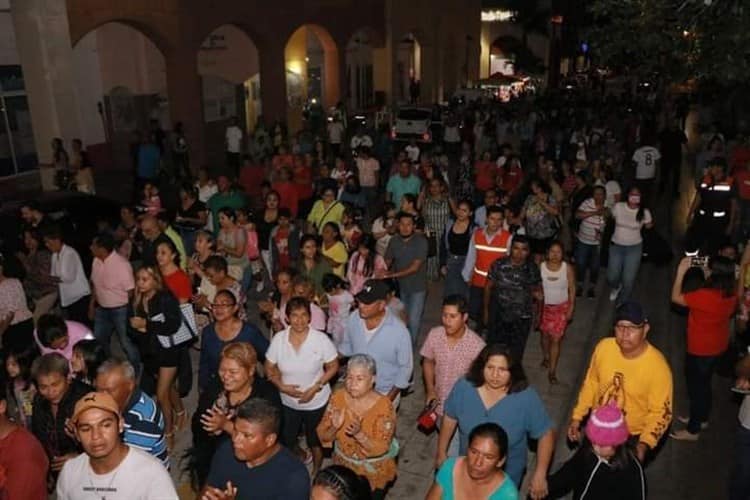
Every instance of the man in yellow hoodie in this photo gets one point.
(634, 374)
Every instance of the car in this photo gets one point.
(77, 214)
(413, 123)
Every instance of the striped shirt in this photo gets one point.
(591, 228)
(144, 426)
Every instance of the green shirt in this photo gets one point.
(232, 199)
(506, 491)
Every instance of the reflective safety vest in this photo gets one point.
(716, 198)
(487, 253)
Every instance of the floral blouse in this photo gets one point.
(379, 425)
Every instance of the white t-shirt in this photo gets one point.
(627, 228)
(645, 159)
(138, 477)
(234, 139)
(335, 131)
(613, 189)
(412, 152)
(304, 367)
(591, 228)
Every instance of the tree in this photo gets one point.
(678, 40)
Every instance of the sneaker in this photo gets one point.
(684, 420)
(683, 435)
(590, 294)
(614, 293)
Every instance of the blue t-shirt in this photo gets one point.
(506, 491)
(521, 414)
(283, 477)
(211, 346)
(398, 186)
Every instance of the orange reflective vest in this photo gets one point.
(487, 253)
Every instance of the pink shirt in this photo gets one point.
(76, 331)
(13, 300)
(451, 363)
(112, 279)
(355, 275)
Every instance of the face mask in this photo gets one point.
(634, 199)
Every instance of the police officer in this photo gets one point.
(713, 213)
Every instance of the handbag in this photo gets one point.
(186, 333)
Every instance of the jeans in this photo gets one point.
(107, 319)
(414, 304)
(587, 259)
(739, 479)
(79, 311)
(624, 261)
(188, 239)
(454, 281)
(699, 371)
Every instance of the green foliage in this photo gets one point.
(707, 40)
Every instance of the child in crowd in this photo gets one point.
(88, 355)
(21, 388)
(352, 230)
(303, 287)
(604, 466)
(340, 303)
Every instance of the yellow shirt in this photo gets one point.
(339, 255)
(319, 214)
(641, 387)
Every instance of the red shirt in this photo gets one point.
(251, 178)
(179, 284)
(742, 180)
(303, 180)
(512, 178)
(485, 174)
(708, 321)
(23, 466)
(281, 239)
(288, 197)
(740, 158)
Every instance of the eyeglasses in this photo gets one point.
(628, 328)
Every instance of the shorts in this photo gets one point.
(170, 357)
(554, 320)
(293, 419)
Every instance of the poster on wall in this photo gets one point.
(219, 99)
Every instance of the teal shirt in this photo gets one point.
(506, 491)
(399, 186)
(232, 199)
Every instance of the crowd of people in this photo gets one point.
(297, 276)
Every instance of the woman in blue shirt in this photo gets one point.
(495, 390)
(480, 473)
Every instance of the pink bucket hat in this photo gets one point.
(607, 427)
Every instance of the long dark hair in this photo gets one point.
(475, 375)
(24, 357)
(641, 206)
(93, 356)
(368, 241)
(722, 275)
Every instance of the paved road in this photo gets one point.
(679, 470)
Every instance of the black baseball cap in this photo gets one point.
(631, 311)
(373, 291)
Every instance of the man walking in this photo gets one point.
(486, 246)
(406, 257)
(112, 282)
(512, 284)
(632, 373)
(67, 270)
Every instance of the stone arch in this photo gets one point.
(313, 71)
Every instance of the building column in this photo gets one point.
(273, 82)
(44, 46)
(186, 101)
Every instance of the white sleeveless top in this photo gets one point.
(555, 284)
